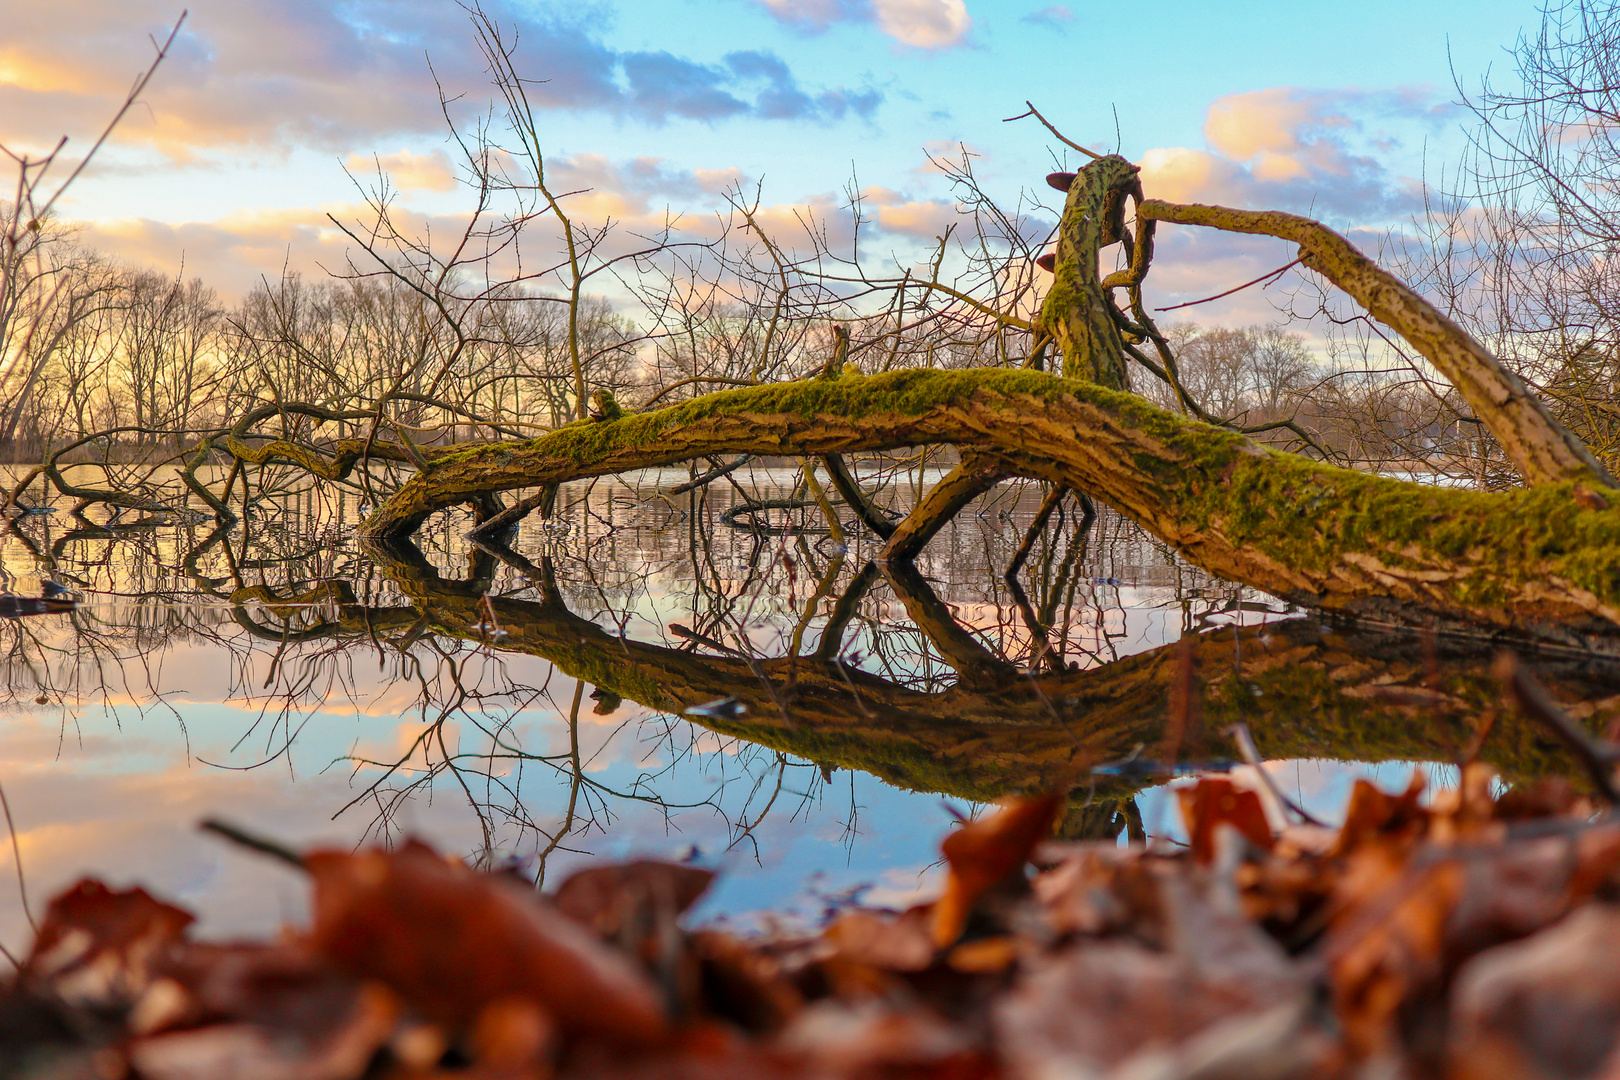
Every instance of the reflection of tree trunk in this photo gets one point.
(972, 477)
(975, 665)
(849, 489)
(1304, 689)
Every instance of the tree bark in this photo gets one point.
(1077, 312)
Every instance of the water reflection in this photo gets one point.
(524, 702)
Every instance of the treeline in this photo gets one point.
(1356, 410)
(149, 358)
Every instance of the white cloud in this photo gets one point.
(924, 24)
(919, 24)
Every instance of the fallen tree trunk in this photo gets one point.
(1543, 561)
(1535, 560)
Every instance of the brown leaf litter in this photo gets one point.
(1473, 935)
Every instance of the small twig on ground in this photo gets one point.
(1598, 757)
(1250, 754)
(255, 843)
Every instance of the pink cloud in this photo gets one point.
(917, 24)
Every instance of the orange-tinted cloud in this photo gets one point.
(278, 74)
(919, 219)
(408, 171)
(1285, 149)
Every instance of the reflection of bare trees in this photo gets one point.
(955, 685)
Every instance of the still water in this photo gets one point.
(524, 705)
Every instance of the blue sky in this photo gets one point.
(238, 148)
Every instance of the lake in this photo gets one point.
(525, 705)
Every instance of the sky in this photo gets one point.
(271, 114)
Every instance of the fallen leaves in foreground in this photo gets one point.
(1474, 937)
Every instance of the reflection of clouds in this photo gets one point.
(709, 742)
(121, 786)
(122, 805)
(904, 886)
(79, 817)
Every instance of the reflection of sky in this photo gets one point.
(165, 714)
(123, 804)
(1322, 788)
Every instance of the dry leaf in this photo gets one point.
(607, 897)
(1216, 801)
(1546, 1006)
(99, 945)
(451, 942)
(983, 854)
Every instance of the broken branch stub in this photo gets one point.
(1077, 312)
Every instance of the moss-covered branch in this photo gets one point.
(1077, 312)
(1543, 449)
(1533, 560)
